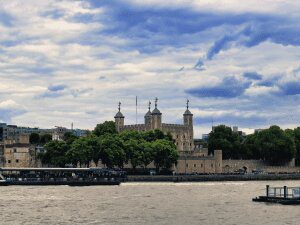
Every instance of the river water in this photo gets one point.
(145, 203)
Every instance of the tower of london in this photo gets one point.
(183, 134)
(192, 158)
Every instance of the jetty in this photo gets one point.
(282, 195)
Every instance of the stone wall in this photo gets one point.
(234, 165)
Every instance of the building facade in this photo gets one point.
(193, 158)
(19, 153)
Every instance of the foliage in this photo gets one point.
(275, 145)
(223, 138)
(272, 145)
(113, 149)
(108, 127)
(55, 153)
(45, 138)
(165, 154)
(34, 138)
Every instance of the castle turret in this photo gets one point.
(119, 119)
(148, 117)
(188, 116)
(156, 117)
(188, 121)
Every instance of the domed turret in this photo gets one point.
(148, 116)
(188, 116)
(156, 117)
(119, 119)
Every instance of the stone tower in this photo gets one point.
(188, 116)
(148, 117)
(156, 117)
(188, 121)
(119, 118)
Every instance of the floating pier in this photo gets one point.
(282, 195)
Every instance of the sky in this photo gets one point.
(64, 62)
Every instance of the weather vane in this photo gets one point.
(156, 99)
(119, 106)
(187, 104)
(149, 105)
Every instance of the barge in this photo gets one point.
(282, 195)
(60, 176)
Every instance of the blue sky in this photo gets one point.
(73, 61)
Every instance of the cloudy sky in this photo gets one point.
(72, 61)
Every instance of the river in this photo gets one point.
(145, 203)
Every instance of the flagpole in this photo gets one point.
(135, 109)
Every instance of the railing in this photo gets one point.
(283, 192)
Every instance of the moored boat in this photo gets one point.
(61, 176)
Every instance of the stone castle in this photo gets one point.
(193, 158)
(183, 134)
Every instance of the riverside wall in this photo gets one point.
(232, 165)
(213, 177)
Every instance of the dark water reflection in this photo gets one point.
(145, 203)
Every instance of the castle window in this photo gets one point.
(195, 165)
(177, 136)
(176, 143)
(219, 164)
(17, 161)
(183, 136)
(15, 150)
(8, 161)
(201, 165)
(190, 144)
(186, 165)
(212, 165)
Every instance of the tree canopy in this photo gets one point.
(113, 149)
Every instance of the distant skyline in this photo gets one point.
(73, 61)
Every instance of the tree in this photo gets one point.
(297, 143)
(165, 154)
(95, 148)
(276, 146)
(55, 153)
(69, 137)
(108, 127)
(223, 138)
(34, 138)
(112, 151)
(146, 154)
(80, 151)
(45, 138)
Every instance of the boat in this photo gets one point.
(282, 195)
(61, 176)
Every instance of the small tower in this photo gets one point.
(148, 117)
(156, 117)
(188, 116)
(119, 118)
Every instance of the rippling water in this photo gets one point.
(145, 203)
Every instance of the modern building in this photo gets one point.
(193, 158)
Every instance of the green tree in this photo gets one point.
(223, 138)
(94, 144)
(165, 154)
(276, 146)
(108, 127)
(80, 151)
(69, 137)
(45, 138)
(55, 153)
(297, 143)
(34, 138)
(146, 154)
(112, 151)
